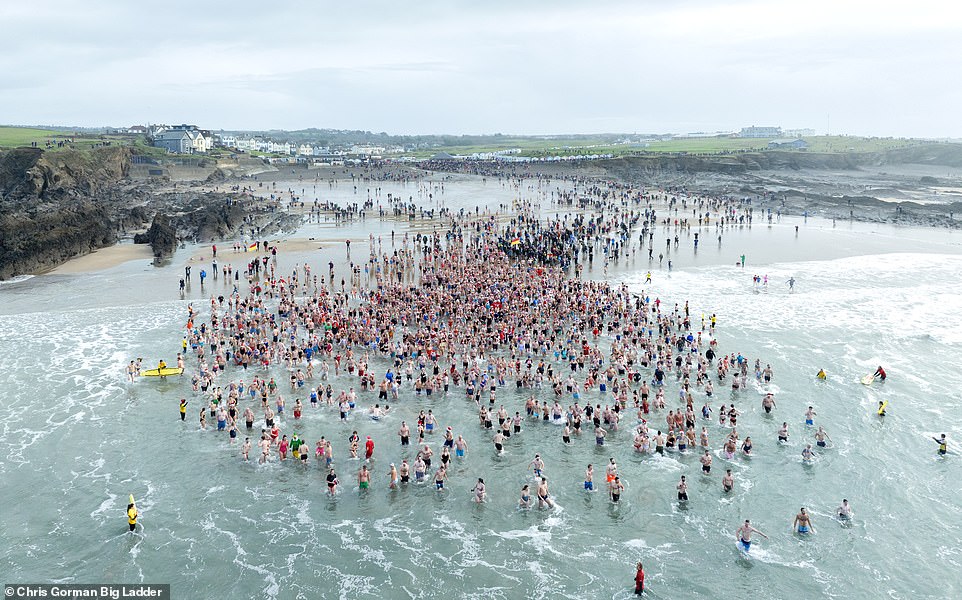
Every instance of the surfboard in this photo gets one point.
(867, 380)
(132, 499)
(162, 372)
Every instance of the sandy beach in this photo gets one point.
(103, 259)
(226, 254)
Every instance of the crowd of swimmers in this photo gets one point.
(485, 303)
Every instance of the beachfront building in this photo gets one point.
(788, 144)
(202, 141)
(225, 141)
(281, 148)
(175, 141)
(246, 144)
(184, 139)
(760, 132)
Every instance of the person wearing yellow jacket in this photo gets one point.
(132, 513)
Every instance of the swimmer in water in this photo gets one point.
(768, 402)
(479, 491)
(803, 522)
(525, 501)
(807, 453)
(537, 465)
(706, 463)
(331, 482)
(543, 498)
(682, 489)
(393, 475)
(810, 416)
(639, 579)
(821, 436)
(821, 374)
(943, 445)
(744, 535)
(615, 488)
(844, 511)
(728, 481)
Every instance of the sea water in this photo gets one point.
(76, 439)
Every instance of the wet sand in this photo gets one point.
(103, 259)
(226, 254)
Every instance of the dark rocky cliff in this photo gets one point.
(637, 168)
(58, 205)
(54, 206)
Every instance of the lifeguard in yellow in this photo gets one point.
(132, 513)
(821, 374)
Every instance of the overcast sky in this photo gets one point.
(847, 66)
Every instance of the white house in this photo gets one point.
(281, 148)
(199, 142)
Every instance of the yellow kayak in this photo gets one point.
(162, 372)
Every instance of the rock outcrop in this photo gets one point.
(54, 206)
(162, 236)
(58, 205)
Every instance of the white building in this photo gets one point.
(281, 148)
(367, 150)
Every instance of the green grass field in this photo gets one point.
(11, 137)
(536, 147)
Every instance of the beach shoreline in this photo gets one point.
(102, 259)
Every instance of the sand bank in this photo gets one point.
(226, 254)
(105, 258)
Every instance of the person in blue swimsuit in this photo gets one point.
(744, 534)
(803, 522)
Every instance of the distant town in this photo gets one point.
(332, 147)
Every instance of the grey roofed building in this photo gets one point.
(793, 143)
(175, 140)
(442, 156)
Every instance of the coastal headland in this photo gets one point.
(55, 206)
